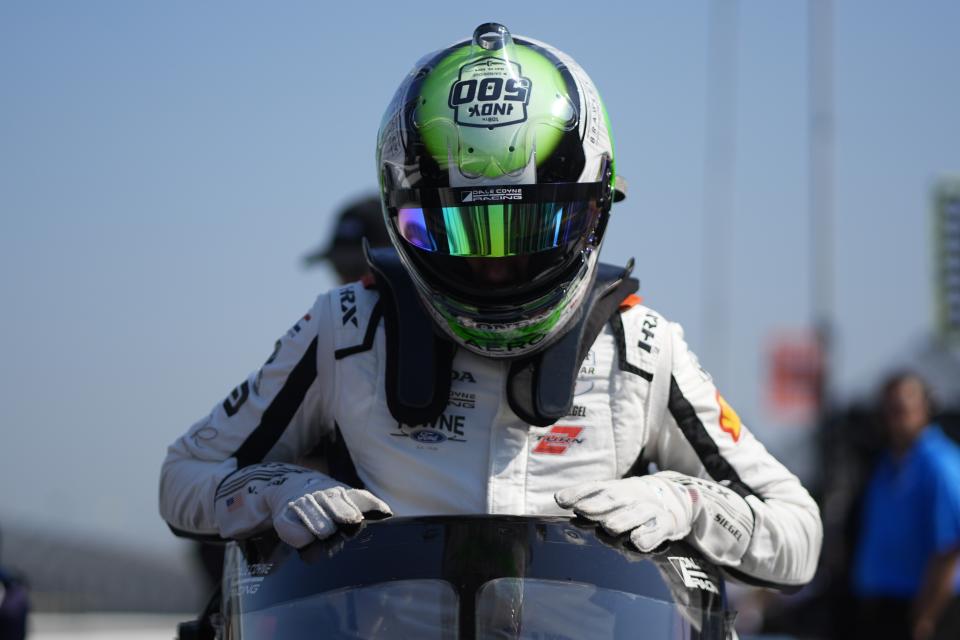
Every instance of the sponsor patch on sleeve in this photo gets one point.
(729, 420)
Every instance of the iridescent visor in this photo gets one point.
(496, 230)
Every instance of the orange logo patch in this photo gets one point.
(729, 420)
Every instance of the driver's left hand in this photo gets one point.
(654, 510)
(668, 506)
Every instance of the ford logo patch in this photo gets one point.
(428, 437)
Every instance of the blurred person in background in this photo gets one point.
(14, 606)
(490, 319)
(905, 574)
(360, 218)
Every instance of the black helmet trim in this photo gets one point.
(507, 194)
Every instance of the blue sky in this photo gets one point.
(163, 166)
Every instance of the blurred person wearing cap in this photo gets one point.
(494, 365)
(361, 218)
(907, 557)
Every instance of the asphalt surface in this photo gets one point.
(103, 626)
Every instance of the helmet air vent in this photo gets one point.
(492, 36)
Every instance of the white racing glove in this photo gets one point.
(317, 514)
(301, 504)
(667, 506)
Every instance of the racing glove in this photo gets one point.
(667, 506)
(301, 504)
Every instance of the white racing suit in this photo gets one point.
(640, 398)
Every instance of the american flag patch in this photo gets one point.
(234, 502)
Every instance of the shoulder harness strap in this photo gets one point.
(540, 388)
(419, 362)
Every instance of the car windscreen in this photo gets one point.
(400, 609)
(505, 608)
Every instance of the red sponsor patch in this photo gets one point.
(558, 440)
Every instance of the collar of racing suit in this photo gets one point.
(539, 387)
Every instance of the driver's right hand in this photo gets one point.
(317, 515)
(302, 505)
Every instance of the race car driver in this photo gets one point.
(494, 365)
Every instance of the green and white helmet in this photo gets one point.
(496, 172)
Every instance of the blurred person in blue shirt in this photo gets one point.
(905, 573)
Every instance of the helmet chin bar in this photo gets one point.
(517, 339)
(513, 290)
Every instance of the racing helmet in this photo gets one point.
(496, 172)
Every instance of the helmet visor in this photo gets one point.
(497, 222)
(495, 230)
